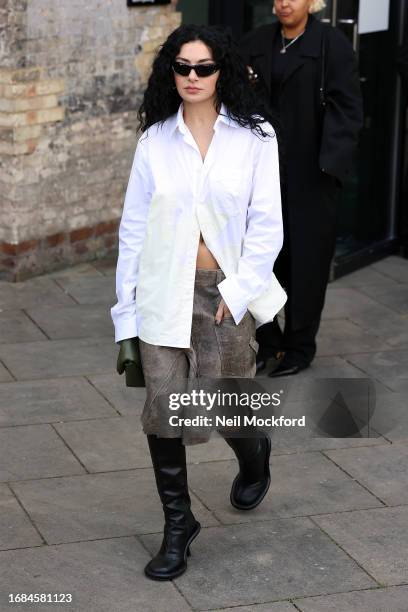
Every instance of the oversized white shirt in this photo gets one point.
(233, 198)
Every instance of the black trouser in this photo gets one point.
(299, 344)
(299, 340)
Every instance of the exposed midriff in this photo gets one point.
(205, 259)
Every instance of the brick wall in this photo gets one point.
(71, 79)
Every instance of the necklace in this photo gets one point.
(284, 47)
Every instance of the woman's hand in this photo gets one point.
(223, 312)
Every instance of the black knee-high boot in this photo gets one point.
(252, 483)
(169, 463)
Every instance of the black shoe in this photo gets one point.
(261, 365)
(263, 361)
(287, 369)
(253, 480)
(169, 463)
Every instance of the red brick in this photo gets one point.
(106, 227)
(55, 239)
(17, 249)
(81, 234)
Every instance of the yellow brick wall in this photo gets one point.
(27, 100)
(68, 125)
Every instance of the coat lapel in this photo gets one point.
(309, 46)
(261, 50)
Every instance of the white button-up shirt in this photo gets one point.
(233, 198)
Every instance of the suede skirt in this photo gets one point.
(222, 351)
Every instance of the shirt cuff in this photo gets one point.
(126, 329)
(234, 298)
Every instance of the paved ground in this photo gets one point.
(78, 508)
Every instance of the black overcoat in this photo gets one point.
(318, 144)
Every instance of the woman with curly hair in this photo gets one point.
(200, 231)
(307, 72)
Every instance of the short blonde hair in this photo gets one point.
(317, 5)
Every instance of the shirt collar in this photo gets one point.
(177, 120)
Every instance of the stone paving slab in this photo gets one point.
(298, 444)
(16, 326)
(34, 360)
(126, 400)
(393, 267)
(377, 539)
(34, 451)
(302, 484)
(369, 275)
(80, 321)
(83, 269)
(50, 401)
(5, 375)
(388, 367)
(401, 386)
(105, 445)
(120, 444)
(34, 292)
(391, 328)
(393, 599)
(16, 530)
(90, 289)
(306, 385)
(383, 470)
(232, 566)
(216, 449)
(102, 576)
(343, 302)
(391, 416)
(342, 336)
(267, 607)
(395, 298)
(368, 313)
(97, 505)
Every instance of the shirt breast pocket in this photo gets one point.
(229, 189)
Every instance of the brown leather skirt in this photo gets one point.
(216, 352)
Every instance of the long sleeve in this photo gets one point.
(131, 235)
(264, 233)
(343, 116)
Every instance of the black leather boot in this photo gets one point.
(180, 529)
(252, 483)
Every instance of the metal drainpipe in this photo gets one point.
(334, 13)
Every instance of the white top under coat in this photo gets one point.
(233, 198)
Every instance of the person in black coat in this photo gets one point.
(306, 73)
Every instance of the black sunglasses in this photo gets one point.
(201, 70)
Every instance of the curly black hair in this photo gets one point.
(162, 100)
